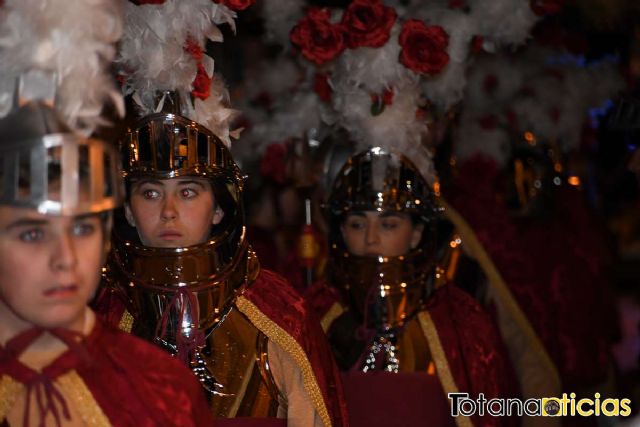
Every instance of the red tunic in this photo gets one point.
(554, 267)
(475, 358)
(270, 300)
(132, 382)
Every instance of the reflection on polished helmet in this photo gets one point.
(380, 180)
(188, 288)
(47, 167)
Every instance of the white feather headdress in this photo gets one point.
(532, 91)
(70, 40)
(163, 49)
(361, 74)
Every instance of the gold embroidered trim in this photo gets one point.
(440, 359)
(501, 290)
(291, 346)
(74, 389)
(334, 312)
(10, 389)
(126, 322)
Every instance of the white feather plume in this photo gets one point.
(503, 75)
(472, 139)
(503, 22)
(396, 128)
(278, 78)
(74, 40)
(548, 97)
(375, 69)
(153, 58)
(280, 16)
(292, 119)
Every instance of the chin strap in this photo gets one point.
(189, 339)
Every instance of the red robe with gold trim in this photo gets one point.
(130, 382)
(277, 310)
(474, 362)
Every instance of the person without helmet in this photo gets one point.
(58, 189)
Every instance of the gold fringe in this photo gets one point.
(440, 358)
(334, 312)
(501, 290)
(74, 388)
(126, 322)
(291, 346)
(10, 389)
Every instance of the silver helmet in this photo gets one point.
(47, 167)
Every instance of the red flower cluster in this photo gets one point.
(202, 82)
(318, 39)
(423, 47)
(235, 4)
(367, 23)
(193, 49)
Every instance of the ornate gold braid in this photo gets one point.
(291, 346)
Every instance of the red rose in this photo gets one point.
(318, 39)
(423, 47)
(546, 7)
(322, 87)
(192, 48)
(367, 23)
(201, 84)
(235, 4)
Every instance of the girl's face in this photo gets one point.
(49, 268)
(373, 233)
(174, 212)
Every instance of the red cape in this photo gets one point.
(272, 300)
(473, 350)
(131, 381)
(278, 301)
(553, 266)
